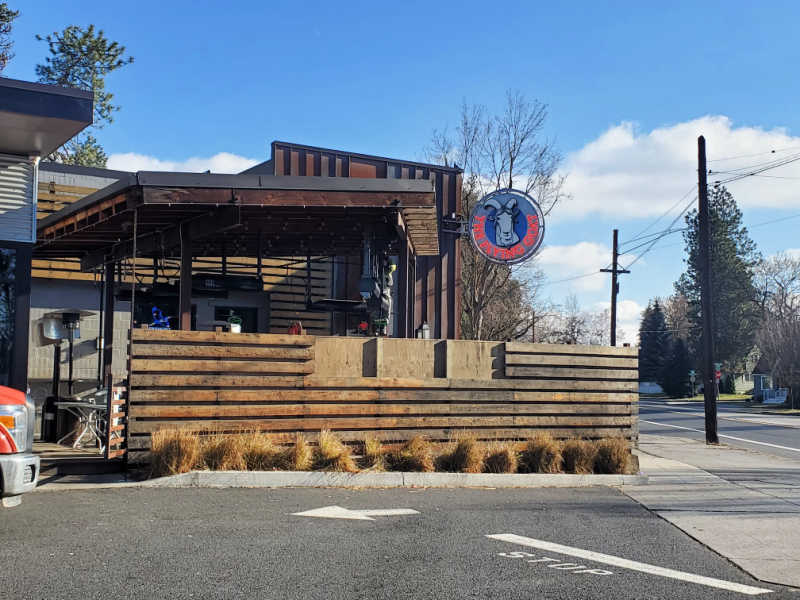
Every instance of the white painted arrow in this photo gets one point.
(337, 512)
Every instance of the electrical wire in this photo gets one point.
(669, 210)
(757, 171)
(752, 155)
(662, 233)
(656, 240)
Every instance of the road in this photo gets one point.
(247, 543)
(778, 435)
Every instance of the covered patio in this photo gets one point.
(145, 234)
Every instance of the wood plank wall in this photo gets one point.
(221, 381)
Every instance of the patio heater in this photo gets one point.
(60, 325)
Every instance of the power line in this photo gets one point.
(663, 233)
(766, 167)
(669, 210)
(752, 155)
(656, 240)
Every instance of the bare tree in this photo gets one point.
(676, 312)
(498, 301)
(778, 282)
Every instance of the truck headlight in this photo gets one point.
(14, 417)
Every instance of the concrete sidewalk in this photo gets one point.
(742, 504)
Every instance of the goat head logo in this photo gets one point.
(507, 226)
(504, 217)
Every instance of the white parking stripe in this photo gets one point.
(730, 437)
(629, 564)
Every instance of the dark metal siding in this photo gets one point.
(436, 296)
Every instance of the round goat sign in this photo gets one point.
(507, 226)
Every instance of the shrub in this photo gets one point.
(613, 456)
(173, 451)
(258, 452)
(542, 454)
(465, 456)
(414, 455)
(332, 455)
(500, 458)
(374, 455)
(578, 456)
(222, 452)
(298, 457)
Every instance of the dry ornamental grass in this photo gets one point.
(331, 454)
(542, 454)
(466, 456)
(578, 456)
(415, 455)
(180, 451)
(173, 451)
(374, 454)
(222, 452)
(613, 456)
(298, 457)
(500, 458)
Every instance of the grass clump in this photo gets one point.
(222, 452)
(465, 456)
(415, 455)
(374, 454)
(542, 454)
(173, 451)
(579, 456)
(297, 457)
(613, 456)
(501, 458)
(332, 455)
(258, 452)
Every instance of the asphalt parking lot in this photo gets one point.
(247, 543)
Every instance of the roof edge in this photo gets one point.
(364, 156)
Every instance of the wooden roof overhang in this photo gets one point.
(244, 215)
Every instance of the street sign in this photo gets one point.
(507, 226)
(338, 512)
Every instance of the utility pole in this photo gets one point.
(709, 379)
(614, 270)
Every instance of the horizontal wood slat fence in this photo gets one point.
(215, 381)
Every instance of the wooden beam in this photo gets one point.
(218, 220)
(108, 344)
(185, 284)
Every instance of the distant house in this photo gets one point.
(754, 380)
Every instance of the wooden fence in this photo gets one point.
(228, 382)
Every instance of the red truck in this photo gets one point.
(19, 467)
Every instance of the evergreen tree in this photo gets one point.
(654, 342)
(82, 58)
(7, 17)
(675, 376)
(733, 259)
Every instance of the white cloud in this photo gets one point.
(629, 315)
(628, 173)
(222, 162)
(793, 252)
(564, 262)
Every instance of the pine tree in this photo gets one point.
(654, 342)
(82, 58)
(675, 375)
(734, 257)
(7, 17)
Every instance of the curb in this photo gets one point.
(286, 479)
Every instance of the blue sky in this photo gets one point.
(629, 86)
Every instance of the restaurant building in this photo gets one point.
(35, 119)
